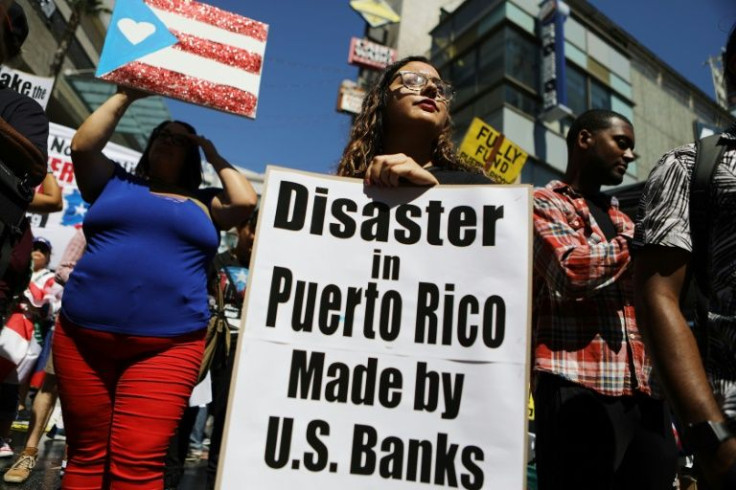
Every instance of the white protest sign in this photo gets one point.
(33, 86)
(60, 227)
(385, 340)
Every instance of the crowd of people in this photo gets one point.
(622, 386)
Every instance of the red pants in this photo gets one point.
(122, 398)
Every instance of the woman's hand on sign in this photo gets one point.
(132, 94)
(392, 170)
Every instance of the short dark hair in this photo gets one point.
(728, 58)
(191, 176)
(592, 120)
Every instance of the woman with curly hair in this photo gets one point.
(404, 133)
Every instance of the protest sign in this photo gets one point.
(350, 98)
(369, 54)
(385, 338)
(186, 50)
(33, 86)
(499, 157)
(59, 227)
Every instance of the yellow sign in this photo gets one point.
(376, 12)
(500, 158)
(531, 407)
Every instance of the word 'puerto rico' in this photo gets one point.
(439, 317)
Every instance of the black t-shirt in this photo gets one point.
(446, 176)
(28, 118)
(598, 206)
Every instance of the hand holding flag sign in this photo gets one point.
(186, 50)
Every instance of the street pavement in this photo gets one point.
(45, 476)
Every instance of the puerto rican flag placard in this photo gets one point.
(186, 50)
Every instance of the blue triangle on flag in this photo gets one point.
(134, 32)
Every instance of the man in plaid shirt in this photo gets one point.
(597, 424)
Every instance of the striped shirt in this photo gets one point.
(584, 325)
(664, 220)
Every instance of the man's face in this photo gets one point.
(609, 152)
(40, 257)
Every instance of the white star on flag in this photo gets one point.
(242, 277)
(80, 210)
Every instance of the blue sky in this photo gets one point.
(682, 33)
(297, 125)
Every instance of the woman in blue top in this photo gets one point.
(130, 335)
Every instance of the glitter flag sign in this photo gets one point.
(186, 50)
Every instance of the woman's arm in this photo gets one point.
(48, 198)
(91, 168)
(238, 199)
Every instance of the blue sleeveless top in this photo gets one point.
(144, 270)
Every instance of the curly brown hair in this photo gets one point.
(366, 135)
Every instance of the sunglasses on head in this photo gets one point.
(416, 82)
(176, 139)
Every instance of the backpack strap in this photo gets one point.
(708, 153)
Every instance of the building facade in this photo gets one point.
(76, 93)
(491, 51)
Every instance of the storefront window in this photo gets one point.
(522, 101)
(463, 76)
(521, 58)
(600, 96)
(490, 60)
(577, 90)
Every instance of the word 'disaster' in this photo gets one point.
(375, 221)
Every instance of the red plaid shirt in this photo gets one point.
(584, 324)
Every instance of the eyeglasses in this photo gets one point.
(416, 82)
(173, 138)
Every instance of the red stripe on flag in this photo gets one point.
(36, 292)
(214, 16)
(179, 86)
(18, 323)
(223, 53)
